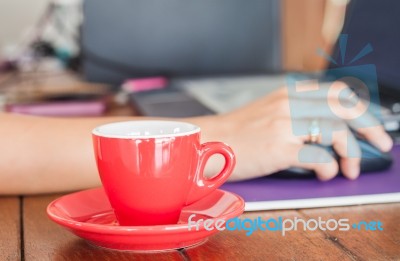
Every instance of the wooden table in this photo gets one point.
(27, 234)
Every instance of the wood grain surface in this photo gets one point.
(44, 240)
(311, 245)
(268, 245)
(10, 242)
(365, 244)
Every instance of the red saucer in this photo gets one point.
(89, 215)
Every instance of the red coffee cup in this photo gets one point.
(151, 169)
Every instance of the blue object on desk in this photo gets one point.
(372, 160)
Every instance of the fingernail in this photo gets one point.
(354, 172)
(323, 178)
(386, 143)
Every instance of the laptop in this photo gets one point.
(217, 53)
(186, 96)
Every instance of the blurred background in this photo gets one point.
(17, 17)
(50, 49)
(306, 25)
(85, 57)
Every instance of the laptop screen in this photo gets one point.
(138, 38)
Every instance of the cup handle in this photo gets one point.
(203, 186)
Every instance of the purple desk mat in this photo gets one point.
(268, 189)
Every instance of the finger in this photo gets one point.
(369, 127)
(345, 104)
(326, 128)
(363, 122)
(346, 146)
(337, 101)
(331, 100)
(313, 158)
(378, 137)
(336, 134)
(317, 100)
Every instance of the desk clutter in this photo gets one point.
(40, 72)
(46, 93)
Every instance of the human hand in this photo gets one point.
(261, 134)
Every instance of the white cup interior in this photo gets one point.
(145, 129)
